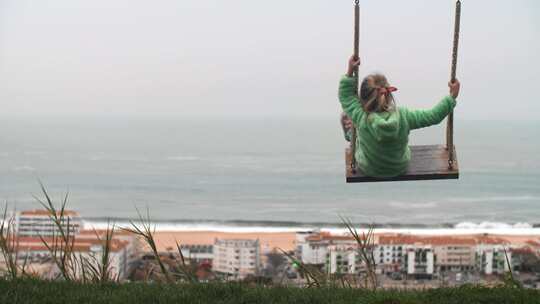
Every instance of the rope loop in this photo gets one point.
(450, 121)
(356, 51)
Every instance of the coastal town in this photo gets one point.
(400, 260)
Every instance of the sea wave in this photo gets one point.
(492, 225)
(406, 205)
(24, 169)
(335, 228)
(494, 199)
(183, 158)
(34, 153)
(179, 227)
(125, 158)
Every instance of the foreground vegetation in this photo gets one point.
(90, 278)
(38, 291)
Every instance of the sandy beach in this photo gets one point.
(166, 240)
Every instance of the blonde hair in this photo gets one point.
(370, 96)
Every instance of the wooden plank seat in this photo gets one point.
(427, 163)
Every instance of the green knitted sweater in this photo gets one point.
(383, 137)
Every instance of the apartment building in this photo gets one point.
(38, 223)
(454, 254)
(416, 256)
(312, 248)
(390, 254)
(406, 254)
(236, 258)
(420, 262)
(492, 258)
(344, 259)
(199, 253)
(88, 245)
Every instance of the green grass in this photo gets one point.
(35, 291)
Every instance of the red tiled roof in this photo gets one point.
(100, 232)
(326, 236)
(522, 250)
(533, 243)
(76, 247)
(397, 239)
(80, 244)
(490, 240)
(42, 212)
(439, 240)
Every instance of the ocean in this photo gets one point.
(266, 173)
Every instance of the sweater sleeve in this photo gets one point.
(424, 118)
(348, 97)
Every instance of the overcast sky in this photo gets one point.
(232, 58)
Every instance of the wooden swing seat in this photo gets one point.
(427, 163)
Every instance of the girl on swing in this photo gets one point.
(382, 128)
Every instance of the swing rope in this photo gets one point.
(450, 121)
(355, 72)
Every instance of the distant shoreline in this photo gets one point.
(302, 224)
(239, 226)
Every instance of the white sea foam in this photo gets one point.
(202, 227)
(403, 205)
(492, 225)
(494, 199)
(183, 158)
(459, 229)
(103, 157)
(449, 231)
(24, 169)
(34, 153)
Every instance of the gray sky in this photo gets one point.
(264, 58)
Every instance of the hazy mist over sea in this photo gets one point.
(260, 170)
(116, 101)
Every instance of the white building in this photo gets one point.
(237, 258)
(420, 260)
(456, 256)
(389, 255)
(123, 251)
(416, 256)
(199, 253)
(313, 248)
(301, 242)
(405, 253)
(344, 259)
(38, 223)
(492, 259)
